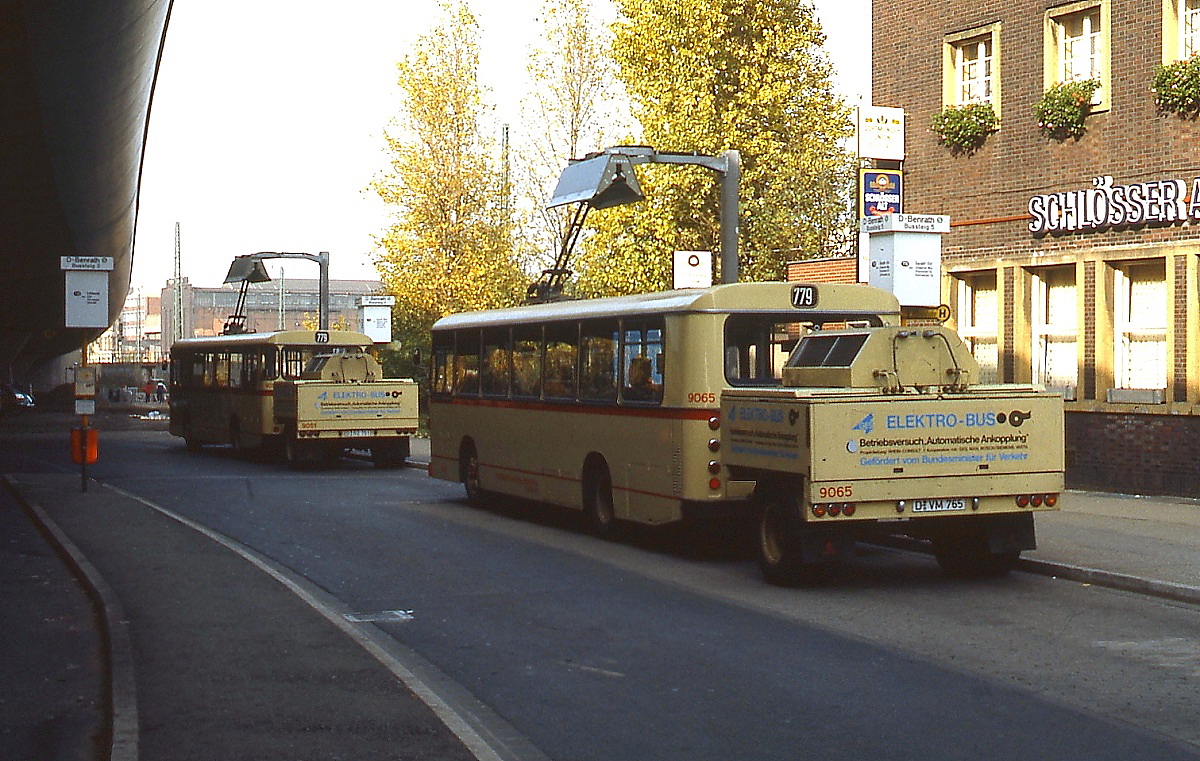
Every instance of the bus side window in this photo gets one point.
(642, 349)
(598, 359)
(270, 363)
(252, 368)
(562, 350)
(235, 369)
(497, 363)
(527, 362)
(209, 369)
(466, 363)
(443, 363)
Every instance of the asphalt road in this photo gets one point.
(669, 645)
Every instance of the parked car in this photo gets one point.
(13, 399)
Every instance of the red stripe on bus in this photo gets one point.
(671, 413)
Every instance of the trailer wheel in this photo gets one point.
(778, 531)
(389, 453)
(293, 452)
(966, 555)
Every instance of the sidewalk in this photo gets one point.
(196, 635)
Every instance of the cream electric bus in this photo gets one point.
(222, 387)
(611, 405)
(808, 406)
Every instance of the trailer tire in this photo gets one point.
(778, 534)
(966, 555)
(293, 451)
(389, 453)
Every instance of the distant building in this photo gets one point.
(1072, 261)
(136, 336)
(206, 310)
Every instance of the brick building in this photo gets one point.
(1071, 261)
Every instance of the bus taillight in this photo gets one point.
(714, 423)
(714, 445)
(714, 484)
(714, 467)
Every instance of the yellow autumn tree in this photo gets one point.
(450, 246)
(706, 76)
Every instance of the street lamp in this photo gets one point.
(248, 268)
(606, 178)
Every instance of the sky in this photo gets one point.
(268, 121)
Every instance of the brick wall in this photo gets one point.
(1135, 454)
(840, 269)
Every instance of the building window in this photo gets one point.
(1140, 323)
(1055, 327)
(1077, 45)
(1181, 29)
(971, 67)
(978, 318)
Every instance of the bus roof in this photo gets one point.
(278, 338)
(827, 299)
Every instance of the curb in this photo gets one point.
(1109, 579)
(114, 636)
(1124, 582)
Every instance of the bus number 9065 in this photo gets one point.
(696, 397)
(843, 491)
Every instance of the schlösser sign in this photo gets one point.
(1106, 205)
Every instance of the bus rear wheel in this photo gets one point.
(468, 473)
(598, 502)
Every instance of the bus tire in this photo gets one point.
(235, 437)
(778, 534)
(468, 473)
(190, 440)
(598, 502)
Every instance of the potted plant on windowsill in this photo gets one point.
(1176, 86)
(1064, 106)
(965, 127)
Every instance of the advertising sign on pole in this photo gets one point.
(881, 133)
(880, 191)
